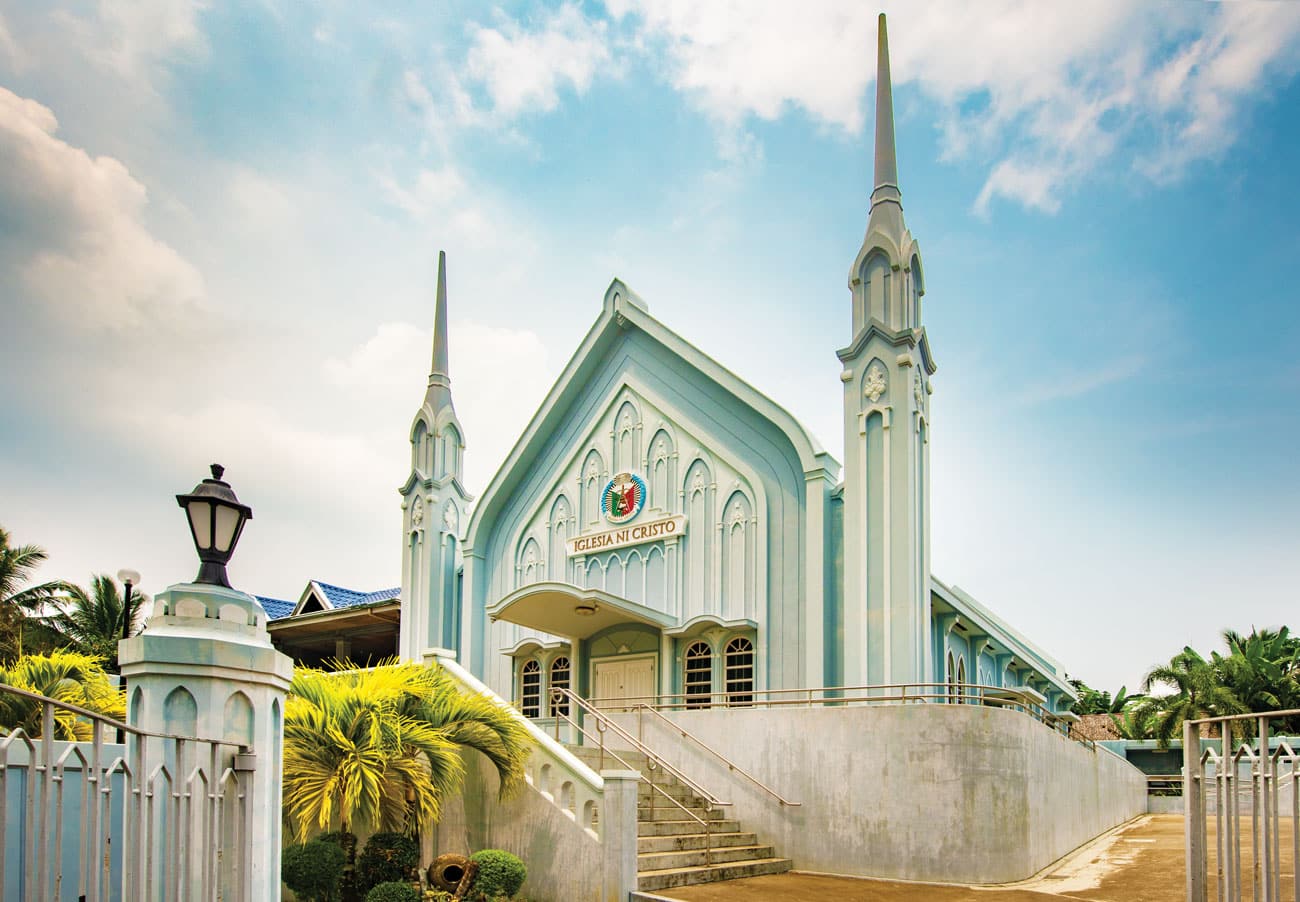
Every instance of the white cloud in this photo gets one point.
(75, 231)
(524, 70)
(9, 49)
(492, 400)
(135, 39)
(1044, 92)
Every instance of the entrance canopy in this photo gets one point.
(562, 609)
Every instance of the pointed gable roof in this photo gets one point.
(623, 309)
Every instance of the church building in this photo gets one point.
(662, 531)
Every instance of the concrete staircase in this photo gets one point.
(671, 848)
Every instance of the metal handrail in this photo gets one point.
(951, 693)
(107, 721)
(603, 721)
(653, 762)
(731, 766)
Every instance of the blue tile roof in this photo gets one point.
(276, 608)
(340, 597)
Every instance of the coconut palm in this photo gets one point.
(21, 605)
(381, 747)
(1198, 693)
(91, 622)
(65, 676)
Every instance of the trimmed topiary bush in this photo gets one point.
(387, 857)
(499, 873)
(312, 870)
(393, 891)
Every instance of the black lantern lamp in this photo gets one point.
(216, 520)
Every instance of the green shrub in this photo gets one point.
(387, 857)
(393, 891)
(499, 873)
(312, 870)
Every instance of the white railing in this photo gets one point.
(1257, 812)
(1018, 698)
(560, 776)
(162, 817)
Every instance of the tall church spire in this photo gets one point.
(886, 376)
(438, 372)
(886, 184)
(886, 199)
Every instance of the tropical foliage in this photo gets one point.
(1096, 701)
(23, 606)
(381, 747)
(1255, 673)
(64, 676)
(91, 621)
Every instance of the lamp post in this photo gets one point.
(216, 520)
(128, 579)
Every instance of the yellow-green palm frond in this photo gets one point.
(66, 676)
(380, 746)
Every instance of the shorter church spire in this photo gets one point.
(438, 372)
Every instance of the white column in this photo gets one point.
(618, 825)
(211, 643)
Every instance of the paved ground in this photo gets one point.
(1140, 862)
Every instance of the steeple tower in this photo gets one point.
(887, 369)
(439, 392)
(434, 505)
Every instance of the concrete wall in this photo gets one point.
(565, 861)
(918, 792)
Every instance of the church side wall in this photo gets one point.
(915, 792)
(564, 861)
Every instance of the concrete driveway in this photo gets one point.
(1141, 861)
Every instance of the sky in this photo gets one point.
(219, 227)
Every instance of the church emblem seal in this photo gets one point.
(623, 498)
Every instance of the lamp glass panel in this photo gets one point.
(227, 523)
(201, 523)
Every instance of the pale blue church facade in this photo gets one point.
(664, 531)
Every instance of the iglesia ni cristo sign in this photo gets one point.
(665, 528)
(622, 500)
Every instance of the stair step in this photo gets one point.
(694, 858)
(692, 841)
(683, 828)
(674, 789)
(590, 755)
(690, 876)
(665, 811)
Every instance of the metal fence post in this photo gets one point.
(1194, 811)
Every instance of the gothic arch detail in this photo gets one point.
(590, 479)
(532, 566)
(698, 491)
(739, 537)
(660, 462)
(626, 437)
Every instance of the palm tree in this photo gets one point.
(381, 747)
(21, 605)
(65, 676)
(91, 622)
(1198, 693)
(1261, 669)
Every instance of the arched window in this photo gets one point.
(961, 679)
(950, 678)
(739, 659)
(698, 675)
(530, 689)
(559, 680)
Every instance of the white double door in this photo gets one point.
(620, 678)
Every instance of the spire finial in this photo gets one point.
(439, 369)
(886, 160)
